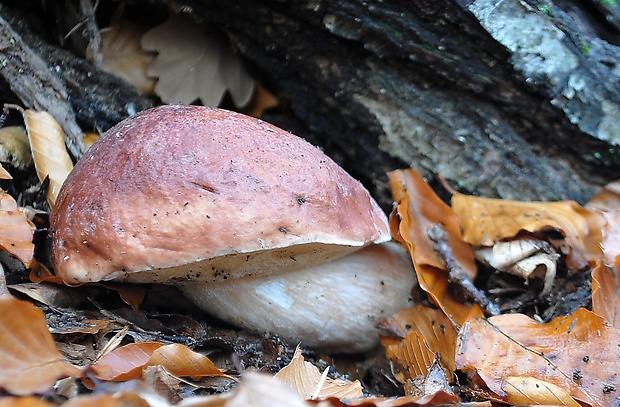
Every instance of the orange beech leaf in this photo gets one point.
(24, 402)
(530, 391)
(182, 361)
(486, 221)
(420, 333)
(4, 174)
(307, 381)
(29, 360)
(579, 353)
(131, 294)
(419, 209)
(15, 230)
(606, 292)
(128, 362)
(261, 101)
(125, 362)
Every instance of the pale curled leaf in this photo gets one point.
(47, 142)
(29, 360)
(192, 66)
(523, 258)
(304, 378)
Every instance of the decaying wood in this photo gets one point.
(31, 80)
(97, 100)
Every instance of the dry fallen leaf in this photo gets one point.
(606, 292)
(4, 174)
(123, 56)
(486, 221)
(607, 199)
(579, 353)
(309, 383)
(191, 66)
(128, 362)
(419, 209)
(47, 142)
(15, 231)
(29, 360)
(24, 402)
(15, 148)
(531, 391)
(420, 335)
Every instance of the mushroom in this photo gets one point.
(232, 210)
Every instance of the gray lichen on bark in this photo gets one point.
(549, 59)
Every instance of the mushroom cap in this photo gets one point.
(190, 193)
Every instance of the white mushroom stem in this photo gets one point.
(333, 306)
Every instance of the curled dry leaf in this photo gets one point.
(306, 379)
(29, 360)
(15, 148)
(123, 56)
(531, 391)
(420, 335)
(523, 258)
(486, 221)
(15, 230)
(579, 353)
(47, 142)
(418, 208)
(128, 362)
(191, 66)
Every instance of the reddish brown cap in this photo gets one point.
(180, 193)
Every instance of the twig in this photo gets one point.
(456, 274)
(3, 287)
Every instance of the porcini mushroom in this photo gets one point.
(200, 197)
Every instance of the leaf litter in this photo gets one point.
(443, 352)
